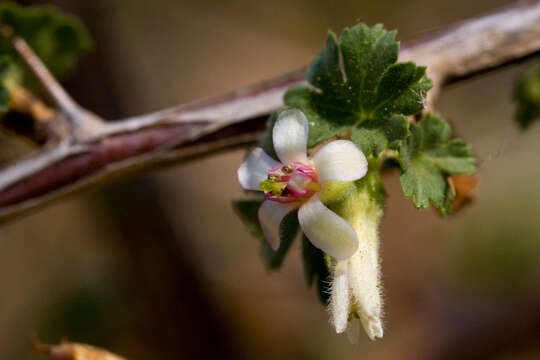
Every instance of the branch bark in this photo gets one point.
(198, 128)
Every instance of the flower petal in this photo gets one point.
(271, 213)
(254, 169)
(353, 331)
(327, 230)
(340, 297)
(340, 160)
(290, 136)
(373, 327)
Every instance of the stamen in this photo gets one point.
(290, 183)
(287, 169)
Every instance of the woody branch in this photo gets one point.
(92, 149)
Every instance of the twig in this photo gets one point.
(459, 52)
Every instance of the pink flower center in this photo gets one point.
(289, 183)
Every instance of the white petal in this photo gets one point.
(270, 215)
(353, 331)
(373, 327)
(340, 160)
(327, 230)
(254, 170)
(340, 297)
(290, 136)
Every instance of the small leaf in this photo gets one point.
(527, 97)
(427, 157)
(356, 83)
(247, 210)
(316, 269)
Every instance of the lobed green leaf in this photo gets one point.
(427, 157)
(356, 85)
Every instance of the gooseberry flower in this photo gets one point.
(294, 183)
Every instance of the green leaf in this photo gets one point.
(357, 85)
(527, 97)
(316, 269)
(427, 157)
(373, 136)
(57, 38)
(247, 212)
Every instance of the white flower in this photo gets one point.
(295, 182)
(352, 241)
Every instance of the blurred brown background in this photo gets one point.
(158, 266)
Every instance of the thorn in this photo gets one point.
(85, 124)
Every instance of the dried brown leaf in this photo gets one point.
(74, 351)
(464, 188)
